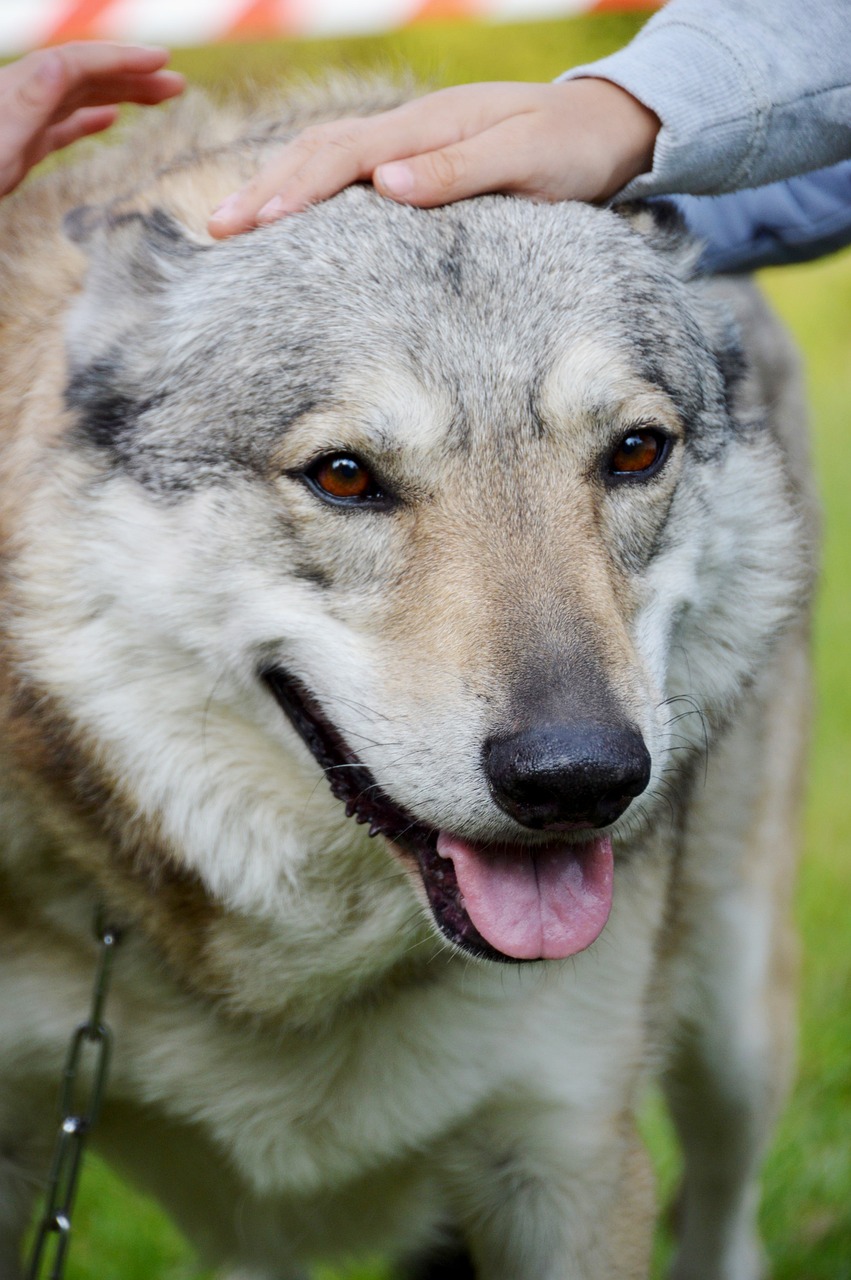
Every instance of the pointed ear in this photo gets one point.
(661, 223)
(133, 257)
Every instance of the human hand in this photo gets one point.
(51, 98)
(578, 140)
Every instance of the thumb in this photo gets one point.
(436, 177)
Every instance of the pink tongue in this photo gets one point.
(541, 905)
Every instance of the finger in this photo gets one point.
(495, 160)
(100, 73)
(144, 89)
(88, 59)
(49, 85)
(81, 124)
(316, 164)
(323, 160)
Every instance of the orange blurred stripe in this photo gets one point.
(81, 21)
(434, 10)
(262, 18)
(621, 6)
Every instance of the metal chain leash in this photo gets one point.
(78, 1112)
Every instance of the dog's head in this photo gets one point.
(469, 504)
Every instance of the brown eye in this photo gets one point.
(640, 453)
(343, 478)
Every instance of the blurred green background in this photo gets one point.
(807, 1201)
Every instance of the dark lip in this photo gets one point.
(353, 784)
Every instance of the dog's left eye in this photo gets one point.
(640, 454)
(343, 479)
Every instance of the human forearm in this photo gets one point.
(747, 91)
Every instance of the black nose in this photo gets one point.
(559, 775)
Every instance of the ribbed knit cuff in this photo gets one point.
(689, 77)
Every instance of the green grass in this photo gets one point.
(808, 1178)
(807, 1203)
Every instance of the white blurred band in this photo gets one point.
(26, 24)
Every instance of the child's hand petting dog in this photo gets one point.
(581, 140)
(51, 98)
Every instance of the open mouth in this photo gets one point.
(505, 902)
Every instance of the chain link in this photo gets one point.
(79, 1108)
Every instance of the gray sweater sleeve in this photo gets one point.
(748, 91)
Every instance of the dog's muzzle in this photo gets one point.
(512, 901)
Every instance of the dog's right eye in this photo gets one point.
(640, 454)
(343, 478)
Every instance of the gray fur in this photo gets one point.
(480, 295)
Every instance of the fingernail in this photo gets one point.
(220, 214)
(397, 179)
(272, 210)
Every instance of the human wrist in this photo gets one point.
(623, 129)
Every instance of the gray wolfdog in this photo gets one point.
(404, 638)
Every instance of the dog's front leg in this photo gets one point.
(734, 976)
(536, 1199)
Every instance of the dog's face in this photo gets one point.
(460, 502)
